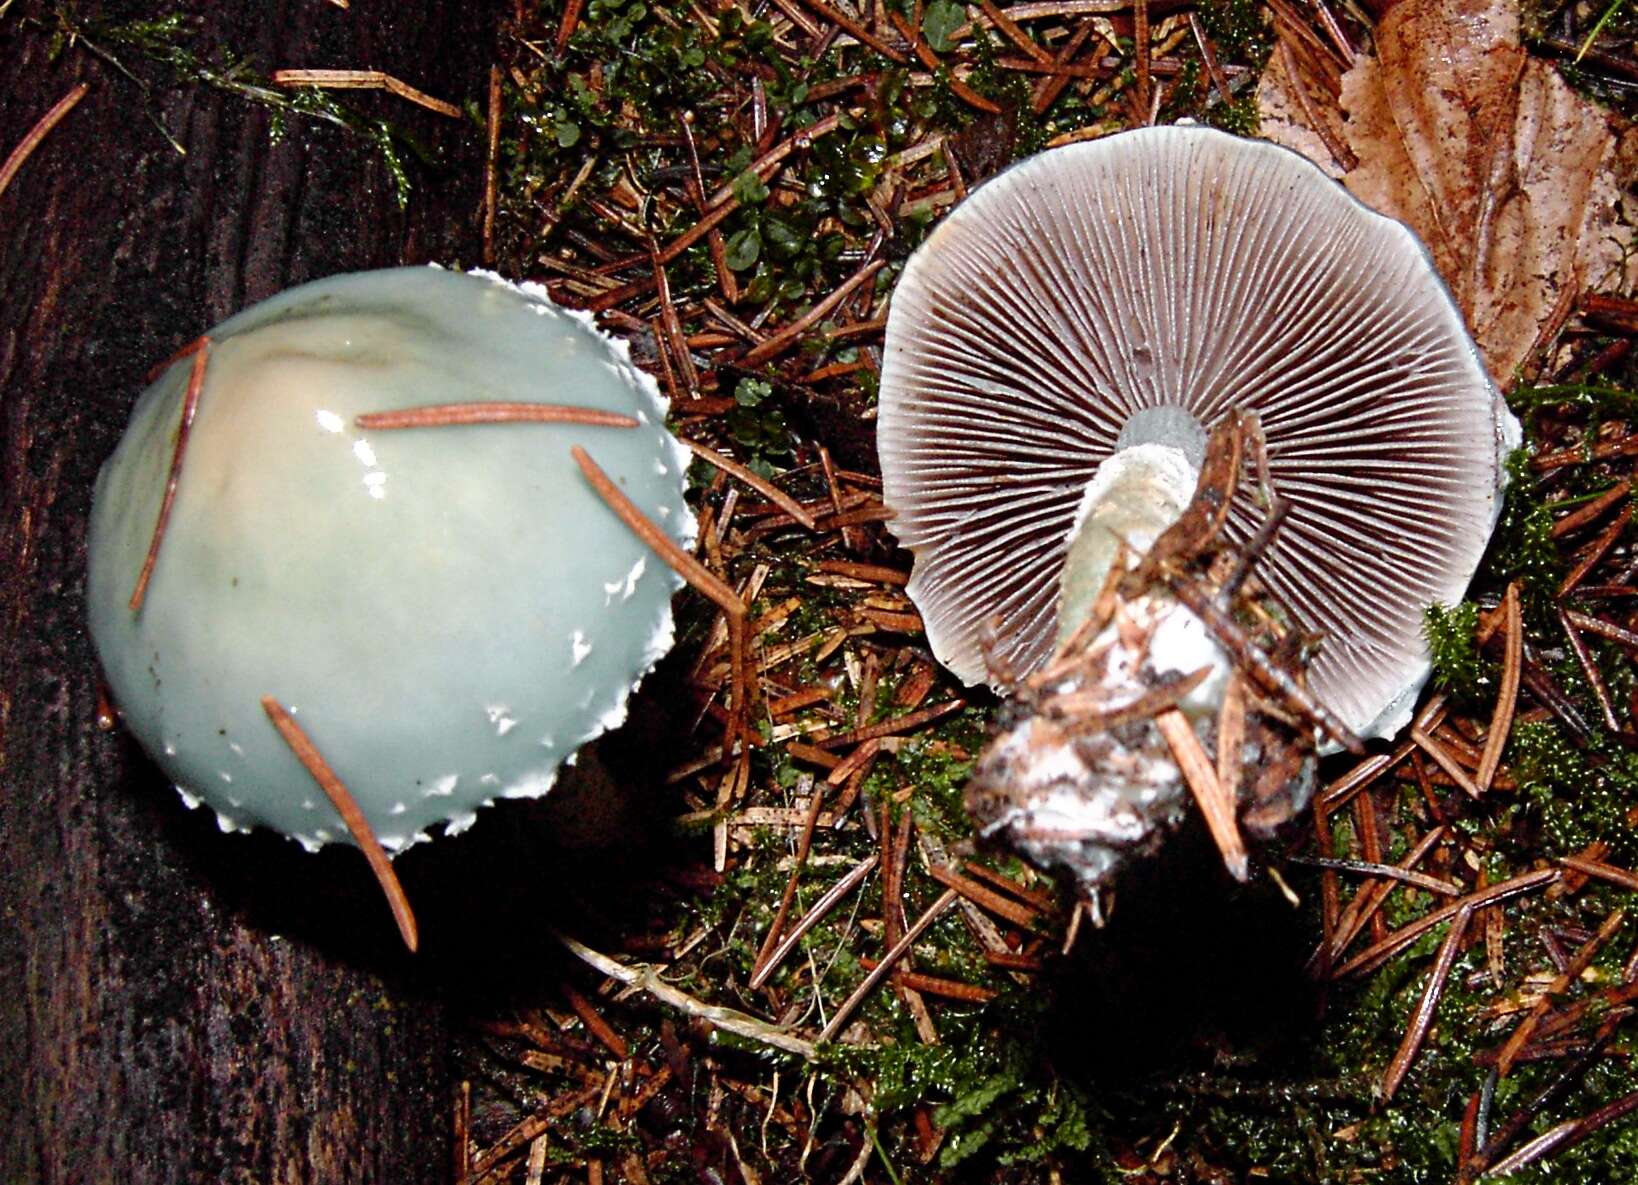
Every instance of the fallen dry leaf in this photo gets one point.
(1503, 171)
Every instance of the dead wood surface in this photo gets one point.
(175, 1004)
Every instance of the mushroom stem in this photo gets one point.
(1130, 501)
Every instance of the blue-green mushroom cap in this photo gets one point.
(448, 612)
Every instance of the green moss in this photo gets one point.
(166, 41)
(1523, 547)
(1451, 632)
(1578, 795)
(990, 1093)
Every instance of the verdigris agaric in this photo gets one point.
(1058, 352)
(348, 518)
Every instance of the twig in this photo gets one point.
(761, 485)
(808, 920)
(1258, 665)
(364, 80)
(646, 978)
(840, 1018)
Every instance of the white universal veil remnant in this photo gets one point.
(1059, 348)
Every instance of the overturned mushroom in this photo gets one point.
(1061, 345)
(351, 519)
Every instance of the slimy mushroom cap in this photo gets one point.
(449, 613)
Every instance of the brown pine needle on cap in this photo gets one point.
(442, 415)
(26, 146)
(1216, 805)
(703, 580)
(307, 753)
(200, 350)
(364, 80)
(187, 351)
